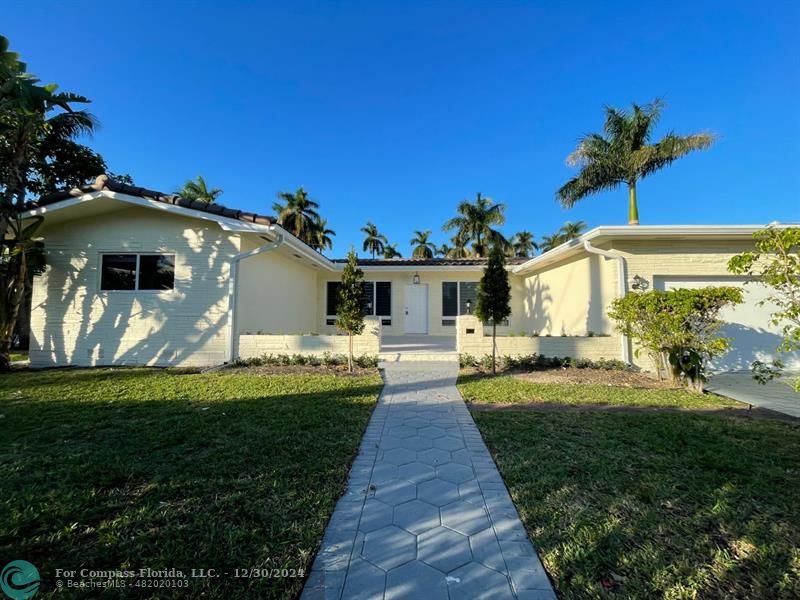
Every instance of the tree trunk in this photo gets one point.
(633, 208)
(494, 347)
(13, 294)
(350, 353)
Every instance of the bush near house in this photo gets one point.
(679, 328)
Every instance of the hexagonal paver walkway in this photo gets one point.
(426, 513)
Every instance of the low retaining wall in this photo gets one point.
(478, 344)
(254, 345)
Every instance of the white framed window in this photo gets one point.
(144, 271)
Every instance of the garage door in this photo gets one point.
(754, 338)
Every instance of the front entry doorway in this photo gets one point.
(416, 308)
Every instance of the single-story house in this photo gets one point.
(136, 277)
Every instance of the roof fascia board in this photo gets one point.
(640, 231)
(226, 223)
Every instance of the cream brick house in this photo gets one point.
(136, 277)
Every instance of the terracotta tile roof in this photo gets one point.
(428, 262)
(105, 183)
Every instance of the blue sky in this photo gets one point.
(394, 112)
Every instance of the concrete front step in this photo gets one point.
(418, 356)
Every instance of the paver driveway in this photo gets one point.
(426, 513)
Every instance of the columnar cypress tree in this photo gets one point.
(494, 295)
(349, 316)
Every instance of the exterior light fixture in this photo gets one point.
(640, 283)
(415, 279)
(469, 307)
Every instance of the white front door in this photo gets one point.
(417, 308)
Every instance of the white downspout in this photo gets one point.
(233, 289)
(622, 287)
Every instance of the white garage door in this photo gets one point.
(754, 338)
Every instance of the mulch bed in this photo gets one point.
(615, 378)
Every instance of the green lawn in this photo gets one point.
(508, 389)
(136, 468)
(15, 356)
(649, 504)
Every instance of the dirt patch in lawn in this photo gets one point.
(613, 378)
(744, 412)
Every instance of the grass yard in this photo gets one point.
(649, 504)
(137, 468)
(511, 389)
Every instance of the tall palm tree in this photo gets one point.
(443, 251)
(523, 244)
(550, 241)
(323, 237)
(374, 242)
(421, 245)
(198, 190)
(570, 230)
(298, 215)
(475, 220)
(391, 251)
(623, 154)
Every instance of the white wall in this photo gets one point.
(368, 342)
(570, 297)
(73, 322)
(478, 344)
(277, 293)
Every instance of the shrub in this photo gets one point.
(679, 328)
(538, 362)
(366, 361)
(467, 360)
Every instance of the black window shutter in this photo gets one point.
(449, 298)
(383, 298)
(333, 297)
(368, 297)
(469, 291)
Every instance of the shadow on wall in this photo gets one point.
(596, 311)
(538, 298)
(187, 325)
(749, 344)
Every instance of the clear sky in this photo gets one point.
(394, 112)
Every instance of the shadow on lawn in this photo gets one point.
(655, 505)
(219, 483)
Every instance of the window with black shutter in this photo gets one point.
(368, 298)
(468, 292)
(333, 298)
(383, 298)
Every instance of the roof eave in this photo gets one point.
(604, 232)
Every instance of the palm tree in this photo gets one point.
(444, 250)
(421, 245)
(459, 249)
(323, 237)
(475, 222)
(570, 230)
(198, 190)
(374, 242)
(623, 155)
(523, 244)
(391, 251)
(550, 241)
(298, 215)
